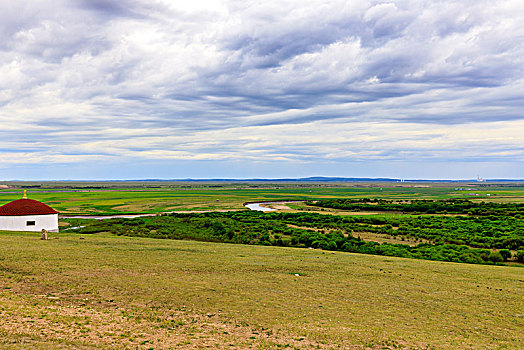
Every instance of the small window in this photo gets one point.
(31, 223)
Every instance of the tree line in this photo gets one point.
(447, 206)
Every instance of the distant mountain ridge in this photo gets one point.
(329, 179)
(284, 180)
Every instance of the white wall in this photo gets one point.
(19, 223)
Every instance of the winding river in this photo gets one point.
(103, 217)
(258, 207)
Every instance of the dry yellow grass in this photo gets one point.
(102, 291)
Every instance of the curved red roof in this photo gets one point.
(26, 207)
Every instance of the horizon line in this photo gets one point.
(309, 178)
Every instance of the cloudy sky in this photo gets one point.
(131, 89)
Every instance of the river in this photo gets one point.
(258, 207)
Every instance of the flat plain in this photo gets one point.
(146, 197)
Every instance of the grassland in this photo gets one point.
(104, 291)
(111, 198)
(108, 291)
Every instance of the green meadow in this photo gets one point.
(152, 197)
(106, 291)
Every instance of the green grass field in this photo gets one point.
(103, 291)
(109, 198)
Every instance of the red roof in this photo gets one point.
(26, 207)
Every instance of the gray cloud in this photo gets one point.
(108, 8)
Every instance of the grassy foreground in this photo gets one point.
(104, 291)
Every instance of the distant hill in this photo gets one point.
(37, 183)
(327, 179)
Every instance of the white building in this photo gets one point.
(28, 215)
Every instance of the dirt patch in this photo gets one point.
(379, 238)
(83, 323)
(279, 206)
(354, 213)
(326, 230)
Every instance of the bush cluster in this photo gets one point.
(452, 206)
(484, 240)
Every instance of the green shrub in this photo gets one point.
(495, 257)
(520, 255)
(506, 254)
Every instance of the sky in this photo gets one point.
(136, 89)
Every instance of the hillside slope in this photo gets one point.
(89, 291)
